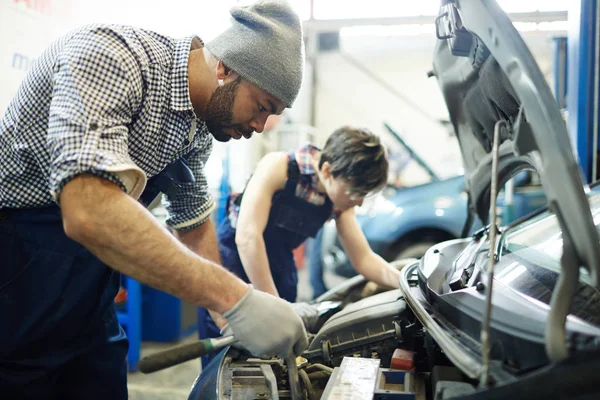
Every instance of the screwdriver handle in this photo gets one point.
(180, 354)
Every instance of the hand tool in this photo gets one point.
(179, 354)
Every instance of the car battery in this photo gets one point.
(354, 379)
(362, 379)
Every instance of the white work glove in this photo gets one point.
(266, 325)
(308, 313)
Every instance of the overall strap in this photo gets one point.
(293, 176)
(168, 181)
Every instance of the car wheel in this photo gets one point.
(413, 250)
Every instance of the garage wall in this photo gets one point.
(345, 95)
(26, 28)
(176, 18)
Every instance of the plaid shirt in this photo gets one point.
(306, 189)
(111, 101)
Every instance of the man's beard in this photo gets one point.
(219, 110)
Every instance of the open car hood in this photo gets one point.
(487, 74)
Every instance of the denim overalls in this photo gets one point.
(291, 221)
(59, 333)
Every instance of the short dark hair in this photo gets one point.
(357, 156)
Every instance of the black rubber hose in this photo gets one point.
(307, 385)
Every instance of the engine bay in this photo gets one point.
(389, 344)
(371, 348)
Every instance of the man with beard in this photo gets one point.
(107, 118)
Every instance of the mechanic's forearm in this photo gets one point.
(202, 240)
(253, 254)
(125, 236)
(376, 269)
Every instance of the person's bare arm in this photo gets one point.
(364, 260)
(269, 177)
(125, 236)
(202, 240)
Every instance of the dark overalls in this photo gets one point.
(291, 221)
(59, 333)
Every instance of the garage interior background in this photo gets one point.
(367, 64)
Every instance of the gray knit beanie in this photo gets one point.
(264, 45)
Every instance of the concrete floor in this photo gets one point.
(175, 383)
(169, 384)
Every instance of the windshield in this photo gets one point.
(530, 261)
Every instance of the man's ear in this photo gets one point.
(224, 72)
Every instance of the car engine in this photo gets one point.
(375, 342)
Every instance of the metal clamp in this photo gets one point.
(437, 27)
(271, 381)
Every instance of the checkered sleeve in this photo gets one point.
(193, 203)
(96, 86)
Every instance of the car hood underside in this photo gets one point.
(490, 81)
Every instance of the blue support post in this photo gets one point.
(131, 320)
(224, 189)
(560, 70)
(134, 328)
(581, 83)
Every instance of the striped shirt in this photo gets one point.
(107, 100)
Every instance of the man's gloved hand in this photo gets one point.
(226, 331)
(308, 312)
(266, 325)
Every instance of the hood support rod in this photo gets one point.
(485, 327)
